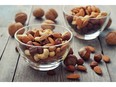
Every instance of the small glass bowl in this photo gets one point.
(90, 29)
(48, 63)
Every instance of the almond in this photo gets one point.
(73, 76)
(57, 35)
(70, 68)
(98, 70)
(51, 40)
(92, 49)
(97, 57)
(106, 58)
(81, 68)
(93, 64)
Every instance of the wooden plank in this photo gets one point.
(24, 73)
(10, 57)
(110, 50)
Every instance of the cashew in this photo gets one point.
(42, 56)
(52, 54)
(36, 58)
(46, 52)
(27, 52)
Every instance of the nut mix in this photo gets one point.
(45, 39)
(87, 19)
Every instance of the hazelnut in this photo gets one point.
(97, 57)
(84, 53)
(38, 12)
(93, 64)
(13, 28)
(21, 17)
(51, 14)
(46, 24)
(111, 38)
(80, 61)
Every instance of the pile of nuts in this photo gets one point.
(45, 39)
(87, 19)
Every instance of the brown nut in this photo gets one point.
(58, 41)
(97, 57)
(70, 68)
(73, 76)
(36, 44)
(93, 64)
(106, 59)
(111, 38)
(66, 36)
(23, 38)
(70, 60)
(47, 24)
(81, 68)
(51, 14)
(92, 49)
(21, 17)
(84, 53)
(98, 70)
(38, 12)
(80, 61)
(57, 35)
(52, 48)
(13, 28)
(51, 40)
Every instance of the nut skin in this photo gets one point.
(51, 14)
(97, 70)
(13, 28)
(93, 64)
(73, 76)
(38, 12)
(111, 38)
(98, 57)
(21, 17)
(106, 59)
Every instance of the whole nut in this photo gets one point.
(36, 57)
(58, 41)
(98, 70)
(66, 36)
(48, 24)
(73, 76)
(81, 68)
(70, 68)
(21, 17)
(70, 60)
(42, 56)
(92, 49)
(58, 50)
(36, 44)
(38, 12)
(111, 38)
(80, 61)
(31, 37)
(13, 28)
(51, 14)
(93, 64)
(52, 48)
(27, 52)
(106, 58)
(36, 34)
(51, 40)
(57, 35)
(97, 57)
(51, 54)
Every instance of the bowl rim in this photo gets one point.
(64, 11)
(25, 27)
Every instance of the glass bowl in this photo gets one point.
(53, 54)
(86, 26)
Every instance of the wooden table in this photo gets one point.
(13, 68)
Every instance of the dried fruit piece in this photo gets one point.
(51, 72)
(80, 61)
(98, 70)
(106, 58)
(92, 49)
(73, 76)
(70, 60)
(93, 64)
(81, 68)
(38, 12)
(97, 57)
(70, 68)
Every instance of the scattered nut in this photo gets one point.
(80, 61)
(97, 57)
(81, 68)
(92, 49)
(98, 70)
(93, 64)
(51, 14)
(13, 28)
(73, 76)
(38, 12)
(21, 17)
(70, 68)
(111, 38)
(106, 58)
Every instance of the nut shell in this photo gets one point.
(21, 17)
(38, 12)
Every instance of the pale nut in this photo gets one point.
(94, 15)
(51, 54)
(43, 37)
(38, 12)
(47, 31)
(42, 56)
(58, 50)
(79, 23)
(27, 52)
(21, 17)
(46, 52)
(13, 28)
(52, 48)
(36, 58)
(51, 14)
